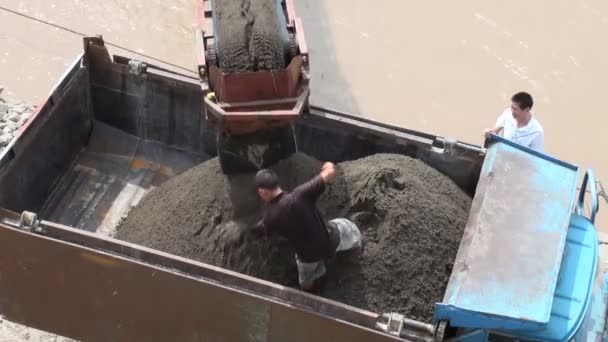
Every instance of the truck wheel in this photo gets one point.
(440, 331)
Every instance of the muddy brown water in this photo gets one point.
(446, 68)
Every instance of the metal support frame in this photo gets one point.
(397, 324)
(255, 94)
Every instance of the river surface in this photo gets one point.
(448, 68)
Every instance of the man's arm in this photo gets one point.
(315, 187)
(538, 143)
(496, 130)
(500, 124)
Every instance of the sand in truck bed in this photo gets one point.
(412, 219)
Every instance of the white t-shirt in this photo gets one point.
(531, 135)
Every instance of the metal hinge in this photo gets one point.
(398, 325)
(137, 67)
(391, 323)
(29, 221)
(449, 145)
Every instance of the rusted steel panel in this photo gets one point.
(203, 19)
(284, 327)
(212, 273)
(91, 295)
(291, 12)
(255, 86)
(262, 114)
(301, 39)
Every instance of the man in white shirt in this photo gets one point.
(519, 125)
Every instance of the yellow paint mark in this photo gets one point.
(165, 171)
(139, 164)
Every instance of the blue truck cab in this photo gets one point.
(527, 266)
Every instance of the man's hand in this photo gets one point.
(488, 131)
(328, 172)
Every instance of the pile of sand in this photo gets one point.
(411, 216)
(248, 35)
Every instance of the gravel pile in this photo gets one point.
(411, 216)
(13, 114)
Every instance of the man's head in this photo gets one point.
(521, 104)
(267, 184)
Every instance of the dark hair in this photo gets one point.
(266, 179)
(523, 99)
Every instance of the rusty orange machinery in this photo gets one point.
(249, 103)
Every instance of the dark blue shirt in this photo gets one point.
(295, 216)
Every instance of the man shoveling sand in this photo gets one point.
(411, 219)
(295, 216)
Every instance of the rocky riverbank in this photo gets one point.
(13, 114)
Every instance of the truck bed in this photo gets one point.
(111, 175)
(109, 133)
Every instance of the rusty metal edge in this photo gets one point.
(286, 307)
(192, 268)
(43, 106)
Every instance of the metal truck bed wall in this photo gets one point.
(111, 130)
(157, 106)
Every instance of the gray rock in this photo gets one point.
(5, 139)
(11, 126)
(7, 130)
(14, 117)
(3, 108)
